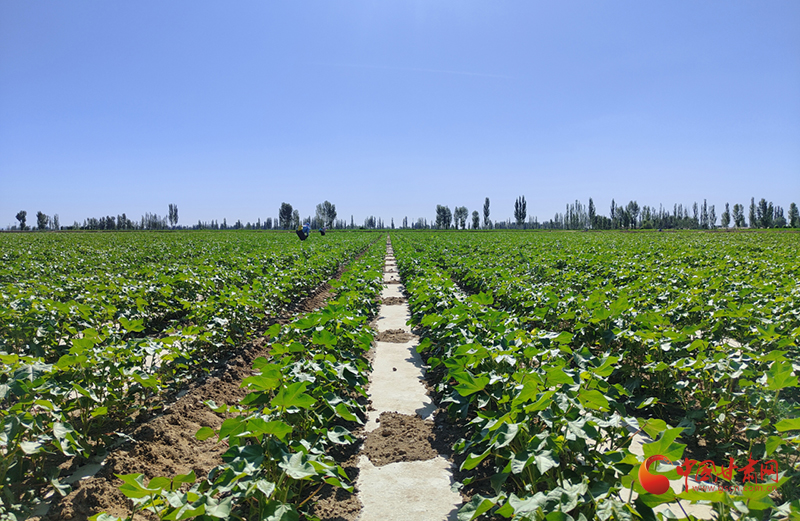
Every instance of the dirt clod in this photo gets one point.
(401, 437)
(397, 336)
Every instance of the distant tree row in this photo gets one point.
(578, 216)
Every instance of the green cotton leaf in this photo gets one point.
(565, 337)
(485, 299)
(278, 511)
(780, 376)
(520, 461)
(293, 396)
(343, 412)
(30, 447)
(788, 425)
(159, 483)
(147, 382)
(424, 344)
(666, 445)
(219, 509)
(180, 479)
(304, 323)
(606, 368)
(542, 403)
(298, 466)
(545, 461)
(619, 306)
(100, 411)
(468, 384)
(505, 435)
(268, 379)
(275, 428)
(132, 325)
(593, 399)
(527, 393)
(477, 506)
(773, 442)
(324, 338)
(133, 486)
(204, 433)
(339, 435)
(186, 512)
(231, 427)
(67, 361)
(525, 508)
(473, 460)
(62, 488)
(79, 345)
(556, 377)
(266, 487)
(654, 427)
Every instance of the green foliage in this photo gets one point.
(94, 328)
(567, 338)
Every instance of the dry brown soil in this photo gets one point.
(394, 335)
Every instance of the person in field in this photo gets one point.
(304, 232)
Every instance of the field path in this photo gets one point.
(402, 474)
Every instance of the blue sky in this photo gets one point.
(389, 108)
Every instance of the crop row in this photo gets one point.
(301, 400)
(95, 328)
(566, 338)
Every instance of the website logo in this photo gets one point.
(653, 483)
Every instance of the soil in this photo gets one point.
(334, 503)
(393, 281)
(401, 437)
(393, 301)
(163, 446)
(397, 336)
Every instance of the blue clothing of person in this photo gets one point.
(306, 228)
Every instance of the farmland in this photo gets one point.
(547, 350)
(567, 341)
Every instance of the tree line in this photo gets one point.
(576, 216)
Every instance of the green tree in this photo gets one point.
(520, 210)
(613, 214)
(173, 214)
(21, 217)
(632, 211)
(476, 219)
(778, 219)
(486, 222)
(443, 216)
(295, 218)
(592, 213)
(326, 213)
(725, 218)
(285, 216)
(764, 213)
(738, 215)
(794, 216)
(752, 217)
(460, 217)
(41, 221)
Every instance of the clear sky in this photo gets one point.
(388, 108)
